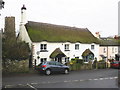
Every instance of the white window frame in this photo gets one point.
(67, 47)
(43, 59)
(76, 46)
(113, 49)
(116, 49)
(43, 46)
(92, 47)
(67, 59)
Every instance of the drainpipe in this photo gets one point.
(107, 57)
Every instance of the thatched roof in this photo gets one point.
(57, 33)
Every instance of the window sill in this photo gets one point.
(76, 49)
(67, 50)
(43, 50)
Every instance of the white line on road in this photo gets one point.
(81, 80)
(96, 79)
(67, 81)
(34, 83)
(31, 86)
(76, 80)
(90, 79)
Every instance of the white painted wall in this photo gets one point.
(112, 50)
(72, 53)
(23, 17)
(23, 34)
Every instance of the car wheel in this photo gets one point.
(48, 72)
(66, 71)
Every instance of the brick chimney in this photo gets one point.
(97, 34)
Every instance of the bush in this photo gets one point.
(78, 64)
(77, 60)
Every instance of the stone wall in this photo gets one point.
(15, 66)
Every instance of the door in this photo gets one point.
(60, 59)
(59, 66)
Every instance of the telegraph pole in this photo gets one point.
(1, 7)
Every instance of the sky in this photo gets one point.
(96, 15)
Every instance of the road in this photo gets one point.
(102, 78)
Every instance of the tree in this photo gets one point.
(14, 50)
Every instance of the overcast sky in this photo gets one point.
(96, 15)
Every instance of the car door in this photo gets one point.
(59, 66)
(52, 66)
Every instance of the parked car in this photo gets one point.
(49, 67)
(115, 64)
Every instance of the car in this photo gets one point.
(115, 64)
(48, 67)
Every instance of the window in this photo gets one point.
(67, 59)
(92, 46)
(77, 57)
(67, 47)
(43, 47)
(52, 63)
(76, 46)
(43, 59)
(113, 50)
(104, 50)
(116, 49)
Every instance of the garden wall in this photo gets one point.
(15, 66)
(87, 66)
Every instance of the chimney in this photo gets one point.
(97, 35)
(23, 15)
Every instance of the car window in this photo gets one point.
(57, 63)
(51, 63)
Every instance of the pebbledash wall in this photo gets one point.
(72, 53)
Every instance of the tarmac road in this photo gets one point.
(101, 78)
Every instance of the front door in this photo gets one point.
(58, 59)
